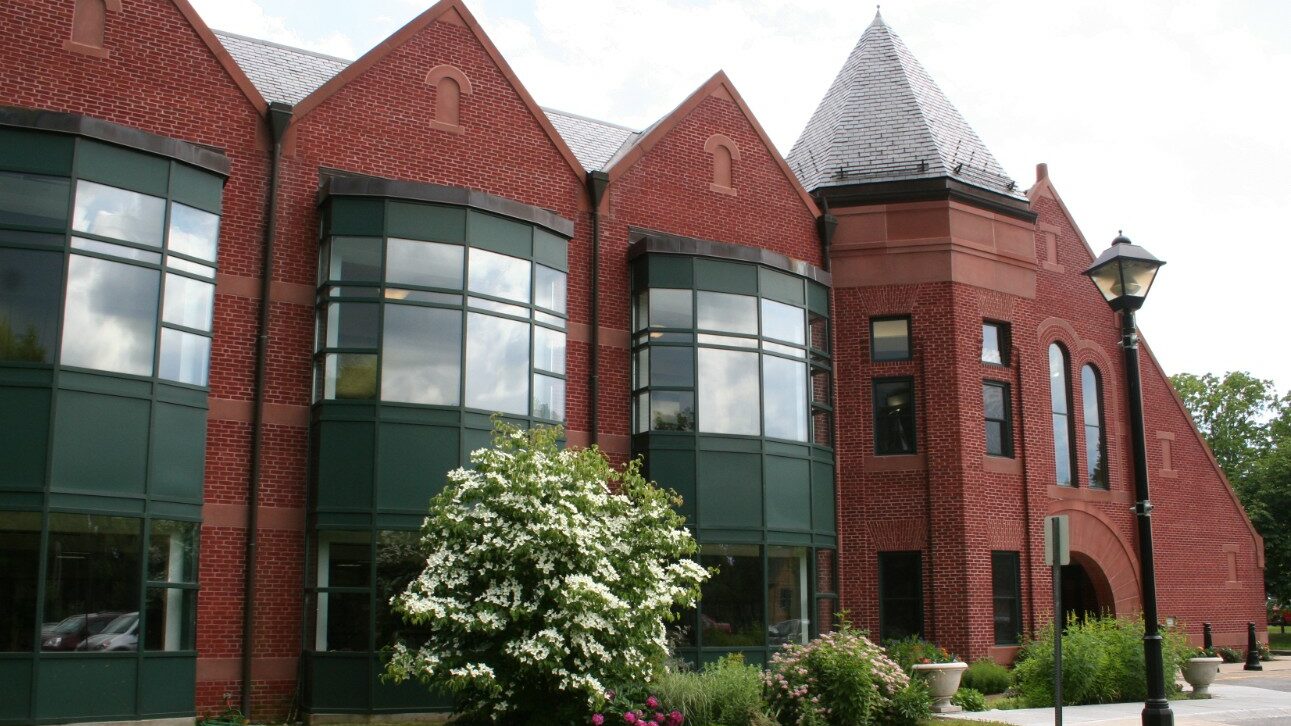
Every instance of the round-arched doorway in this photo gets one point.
(1085, 590)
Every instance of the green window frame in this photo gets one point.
(997, 410)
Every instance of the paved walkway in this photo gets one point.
(1241, 698)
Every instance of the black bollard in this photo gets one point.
(1207, 640)
(1252, 650)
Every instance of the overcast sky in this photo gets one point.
(1168, 119)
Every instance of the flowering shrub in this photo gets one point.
(911, 651)
(548, 575)
(651, 712)
(842, 679)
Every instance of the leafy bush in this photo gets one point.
(649, 711)
(987, 676)
(1009, 703)
(969, 699)
(913, 650)
(1230, 655)
(843, 679)
(723, 693)
(1102, 662)
(548, 577)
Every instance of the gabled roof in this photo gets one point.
(593, 142)
(282, 73)
(222, 57)
(884, 119)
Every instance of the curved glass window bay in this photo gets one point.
(441, 324)
(727, 363)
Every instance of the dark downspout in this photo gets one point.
(278, 117)
(597, 183)
(826, 224)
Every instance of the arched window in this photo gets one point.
(1064, 444)
(1091, 386)
(725, 152)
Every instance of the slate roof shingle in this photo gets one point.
(884, 119)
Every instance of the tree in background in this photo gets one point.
(1248, 426)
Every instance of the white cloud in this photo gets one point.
(247, 17)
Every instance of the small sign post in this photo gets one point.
(1057, 552)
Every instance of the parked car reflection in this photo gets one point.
(70, 632)
(120, 634)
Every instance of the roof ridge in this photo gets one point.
(283, 46)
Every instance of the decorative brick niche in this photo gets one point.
(450, 85)
(89, 19)
(725, 152)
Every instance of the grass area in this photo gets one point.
(943, 721)
(1279, 637)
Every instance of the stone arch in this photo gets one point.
(89, 21)
(725, 152)
(450, 85)
(1106, 555)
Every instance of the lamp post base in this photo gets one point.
(1158, 714)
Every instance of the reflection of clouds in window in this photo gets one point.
(783, 322)
(110, 317)
(184, 357)
(549, 289)
(421, 355)
(728, 392)
(428, 264)
(497, 363)
(188, 303)
(785, 384)
(670, 308)
(112, 212)
(354, 259)
(727, 312)
(499, 275)
(193, 232)
(548, 350)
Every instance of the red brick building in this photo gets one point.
(249, 289)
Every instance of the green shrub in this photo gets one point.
(912, 650)
(969, 699)
(725, 692)
(1102, 662)
(1230, 655)
(987, 676)
(842, 679)
(1009, 703)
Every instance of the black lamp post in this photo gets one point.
(1123, 274)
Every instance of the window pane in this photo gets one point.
(499, 275)
(991, 348)
(548, 397)
(1095, 445)
(642, 371)
(641, 419)
(672, 366)
(1090, 388)
(993, 401)
(671, 308)
(185, 357)
(427, 264)
(399, 561)
(1061, 449)
(193, 232)
(819, 332)
(342, 559)
(726, 312)
(1007, 600)
(787, 592)
(900, 595)
(821, 386)
(442, 298)
(31, 200)
(672, 411)
(731, 601)
(894, 419)
(110, 322)
(497, 364)
(728, 392)
(354, 259)
(783, 322)
(348, 563)
(343, 621)
(30, 283)
(188, 302)
(731, 340)
(1057, 379)
(785, 398)
(107, 248)
(548, 350)
(822, 428)
(549, 289)
(891, 339)
(421, 355)
(352, 325)
(19, 562)
(498, 307)
(195, 268)
(112, 212)
(91, 582)
(995, 438)
(172, 551)
(350, 376)
(169, 618)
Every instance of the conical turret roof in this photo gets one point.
(884, 119)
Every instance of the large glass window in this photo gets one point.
(727, 363)
(732, 599)
(890, 339)
(92, 569)
(170, 609)
(787, 594)
(998, 411)
(19, 566)
(344, 581)
(394, 324)
(30, 282)
(900, 595)
(894, 416)
(33, 200)
(1064, 434)
(1091, 387)
(1006, 591)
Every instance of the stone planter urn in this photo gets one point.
(1200, 673)
(943, 681)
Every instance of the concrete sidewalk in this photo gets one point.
(1241, 698)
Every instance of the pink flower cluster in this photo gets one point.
(652, 715)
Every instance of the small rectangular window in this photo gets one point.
(997, 409)
(890, 339)
(1006, 591)
(900, 595)
(894, 418)
(995, 343)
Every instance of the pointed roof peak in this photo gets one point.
(878, 17)
(885, 119)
